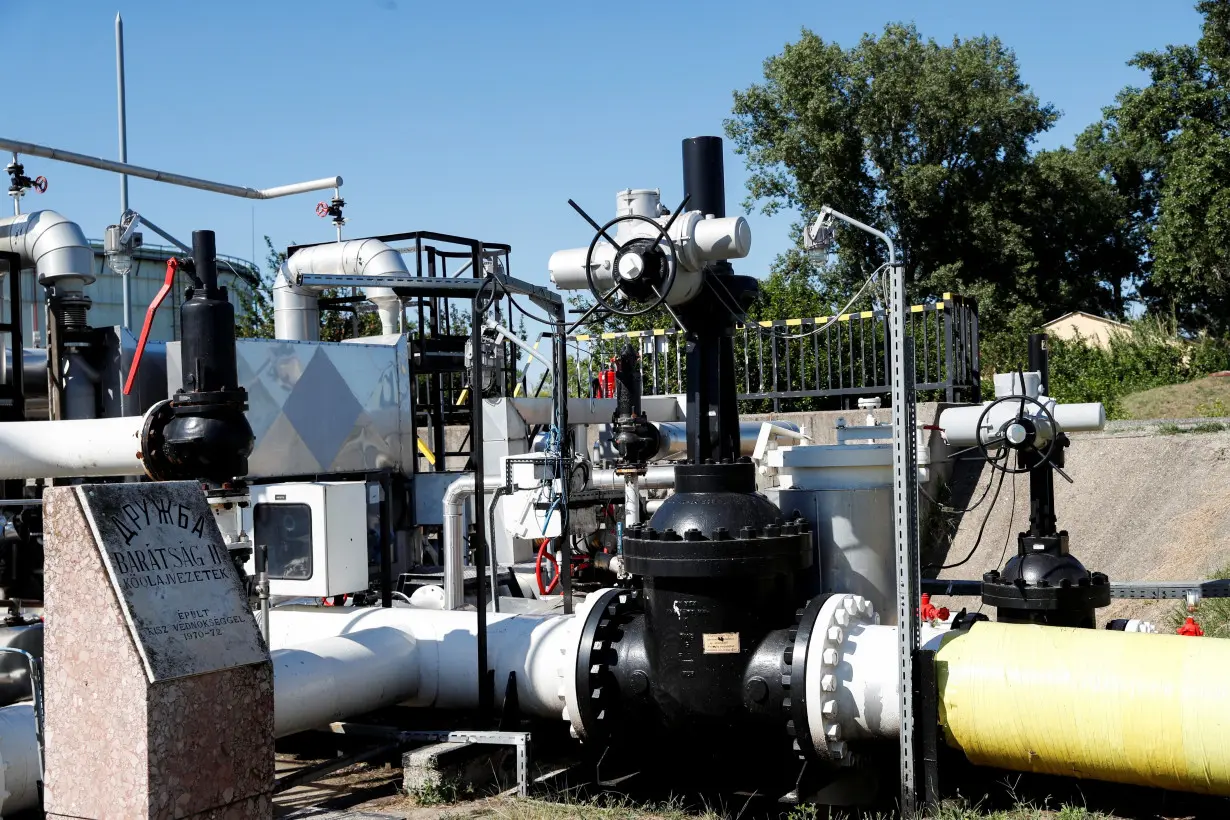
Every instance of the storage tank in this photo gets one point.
(845, 491)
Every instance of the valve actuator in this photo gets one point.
(635, 249)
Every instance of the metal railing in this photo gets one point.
(812, 363)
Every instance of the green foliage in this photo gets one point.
(1147, 357)
(1166, 150)
(932, 142)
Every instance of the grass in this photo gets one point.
(1203, 398)
(621, 808)
(1169, 429)
(1213, 614)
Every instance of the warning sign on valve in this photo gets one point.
(720, 643)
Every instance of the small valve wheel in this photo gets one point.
(322, 209)
(40, 184)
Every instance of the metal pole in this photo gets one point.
(123, 117)
(559, 391)
(905, 520)
(486, 694)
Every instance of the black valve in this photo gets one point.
(332, 208)
(19, 183)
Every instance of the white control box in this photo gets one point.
(315, 535)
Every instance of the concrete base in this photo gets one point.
(461, 766)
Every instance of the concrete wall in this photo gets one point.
(1142, 507)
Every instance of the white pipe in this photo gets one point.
(71, 448)
(632, 500)
(498, 328)
(162, 176)
(456, 496)
(659, 477)
(295, 306)
(51, 244)
(536, 649)
(19, 763)
(594, 411)
(341, 676)
(673, 436)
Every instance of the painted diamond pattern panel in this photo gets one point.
(319, 407)
(322, 408)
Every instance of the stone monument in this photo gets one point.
(158, 689)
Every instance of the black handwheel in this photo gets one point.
(631, 267)
(1020, 439)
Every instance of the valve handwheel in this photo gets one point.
(40, 184)
(643, 269)
(1017, 434)
(322, 209)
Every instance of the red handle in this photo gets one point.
(322, 209)
(172, 267)
(40, 184)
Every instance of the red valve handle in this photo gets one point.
(322, 209)
(172, 268)
(40, 184)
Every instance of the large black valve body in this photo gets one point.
(692, 659)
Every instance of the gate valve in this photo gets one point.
(1190, 628)
(332, 208)
(930, 612)
(19, 183)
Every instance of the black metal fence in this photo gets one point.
(814, 363)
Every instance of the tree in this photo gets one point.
(932, 143)
(1166, 150)
(255, 317)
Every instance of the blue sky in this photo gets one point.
(475, 118)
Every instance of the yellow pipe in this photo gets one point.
(1125, 707)
(427, 453)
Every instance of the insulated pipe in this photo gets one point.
(34, 150)
(536, 650)
(295, 307)
(673, 436)
(660, 477)
(71, 448)
(456, 496)
(1133, 708)
(19, 763)
(340, 676)
(51, 244)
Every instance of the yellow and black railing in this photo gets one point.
(822, 357)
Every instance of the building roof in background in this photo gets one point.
(1089, 316)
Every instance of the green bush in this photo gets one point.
(1149, 356)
